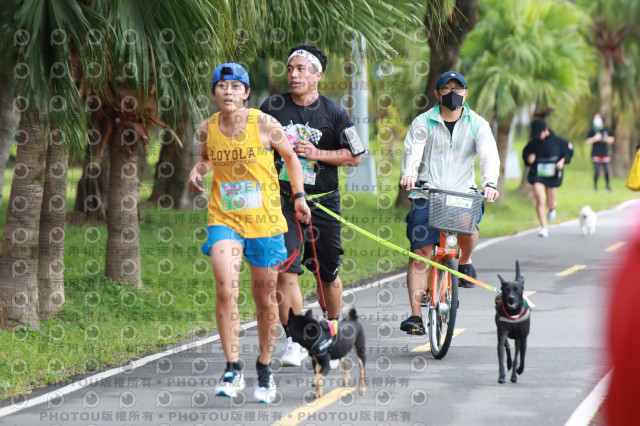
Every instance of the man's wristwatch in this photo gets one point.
(491, 185)
(298, 195)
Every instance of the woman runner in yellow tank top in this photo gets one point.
(245, 217)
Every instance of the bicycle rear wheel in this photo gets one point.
(442, 317)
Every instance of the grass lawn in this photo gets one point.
(104, 324)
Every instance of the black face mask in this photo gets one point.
(452, 100)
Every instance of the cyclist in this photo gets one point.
(244, 216)
(440, 149)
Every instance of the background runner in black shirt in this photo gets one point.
(547, 154)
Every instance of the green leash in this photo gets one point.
(402, 250)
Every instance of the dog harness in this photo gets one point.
(324, 342)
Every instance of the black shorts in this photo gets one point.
(326, 233)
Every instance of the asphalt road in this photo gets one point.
(405, 386)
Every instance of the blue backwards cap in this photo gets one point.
(238, 73)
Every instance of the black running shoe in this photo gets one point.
(413, 325)
(469, 270)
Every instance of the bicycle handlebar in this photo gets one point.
(424, 185)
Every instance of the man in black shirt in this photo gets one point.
(600, 137)
(324, 139)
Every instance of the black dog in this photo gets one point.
(513, 317)
(325, 343)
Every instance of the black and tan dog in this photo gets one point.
(513, 318)
(324, 343)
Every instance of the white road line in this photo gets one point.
(87, 381)
(589, 407)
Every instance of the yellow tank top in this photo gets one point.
(245, 194)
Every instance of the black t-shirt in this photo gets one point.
(548, 151)
(600, 149)
(450, 125)
(326, 125)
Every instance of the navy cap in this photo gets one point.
(238, 73)
(450, 75)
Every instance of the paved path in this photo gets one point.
(566, 280)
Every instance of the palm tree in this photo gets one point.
(513, 57)
(626, 104)
(51, 294)
(9, 121)
(48, 102)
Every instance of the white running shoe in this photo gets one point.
(265, 392)
(334, 363)
(230, 384)
(543, 232)
(551, 216)
(293, 354)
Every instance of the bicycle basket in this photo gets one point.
(454, 211)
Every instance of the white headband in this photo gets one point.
(310, 57)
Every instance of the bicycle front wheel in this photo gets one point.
(442, 317)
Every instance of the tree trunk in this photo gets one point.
(122, 260)
(445, 43)
(525, 187)
(606, 88)
(9, 120)
(19, 258)
(51, 242)
(622, 152)
(504, 127)
(171, 180)
(92, 186)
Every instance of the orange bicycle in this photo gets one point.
(451, 213)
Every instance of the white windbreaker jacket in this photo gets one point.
(444, 161)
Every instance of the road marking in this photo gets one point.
(569, 271)
(427, 347)
(587, 409)
(526, 295)
(616, 246)
(299, 414)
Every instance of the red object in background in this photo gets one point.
(621, 403)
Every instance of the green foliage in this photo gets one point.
(513, 56)
(163, 52)
(274, 26)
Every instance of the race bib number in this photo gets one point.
(242, 195)
(546, 169)
(308, 172)
(462, 202)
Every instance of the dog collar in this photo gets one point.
(519, 315)
(522, 318)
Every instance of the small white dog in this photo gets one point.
(588, 221)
